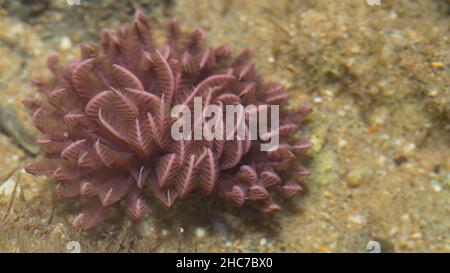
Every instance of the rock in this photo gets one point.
(357, 176)
(200, 233)
(357, 219)
(7, 188)
(21, 133)
(436, 186)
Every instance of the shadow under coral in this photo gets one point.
(214, 215)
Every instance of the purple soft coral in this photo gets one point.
(106, 125)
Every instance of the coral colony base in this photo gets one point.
(106, 123)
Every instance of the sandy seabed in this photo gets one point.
(377, 76)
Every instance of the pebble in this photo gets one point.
(432, 92)
(164, 232)
(393, 14)
(438, 65)
(384, 136)
(394, 230)
(342, 143)
(417, 236)
(409, 148)
(341, 113)
(65, 43)
(263, 242)
(357, 219)
(356, 177)
(436, 186)
(405, 217)
(380, 116)
(382, 159)
(328, 92)
(7, 188)
(200, 233)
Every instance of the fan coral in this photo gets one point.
(105, 119)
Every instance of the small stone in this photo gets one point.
(437, 65)
(379, 116)
(263, 242)
(341, 113)
(405, 217)
(328, 92)
(7, 188)
(410, 244)
(342, 143)
(393, 231)
(417, 236)
(318, 99)
(436, 186)
(57, 232)
(382, 159)
(356, 176)
(409, 148)
(16, 29)
(164, 232)
(355, 49)
(357, 219)
(65, 43)
(385, 136)
(200, 233)
(432, 92)
(393, 14)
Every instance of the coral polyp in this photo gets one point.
(106, 125)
